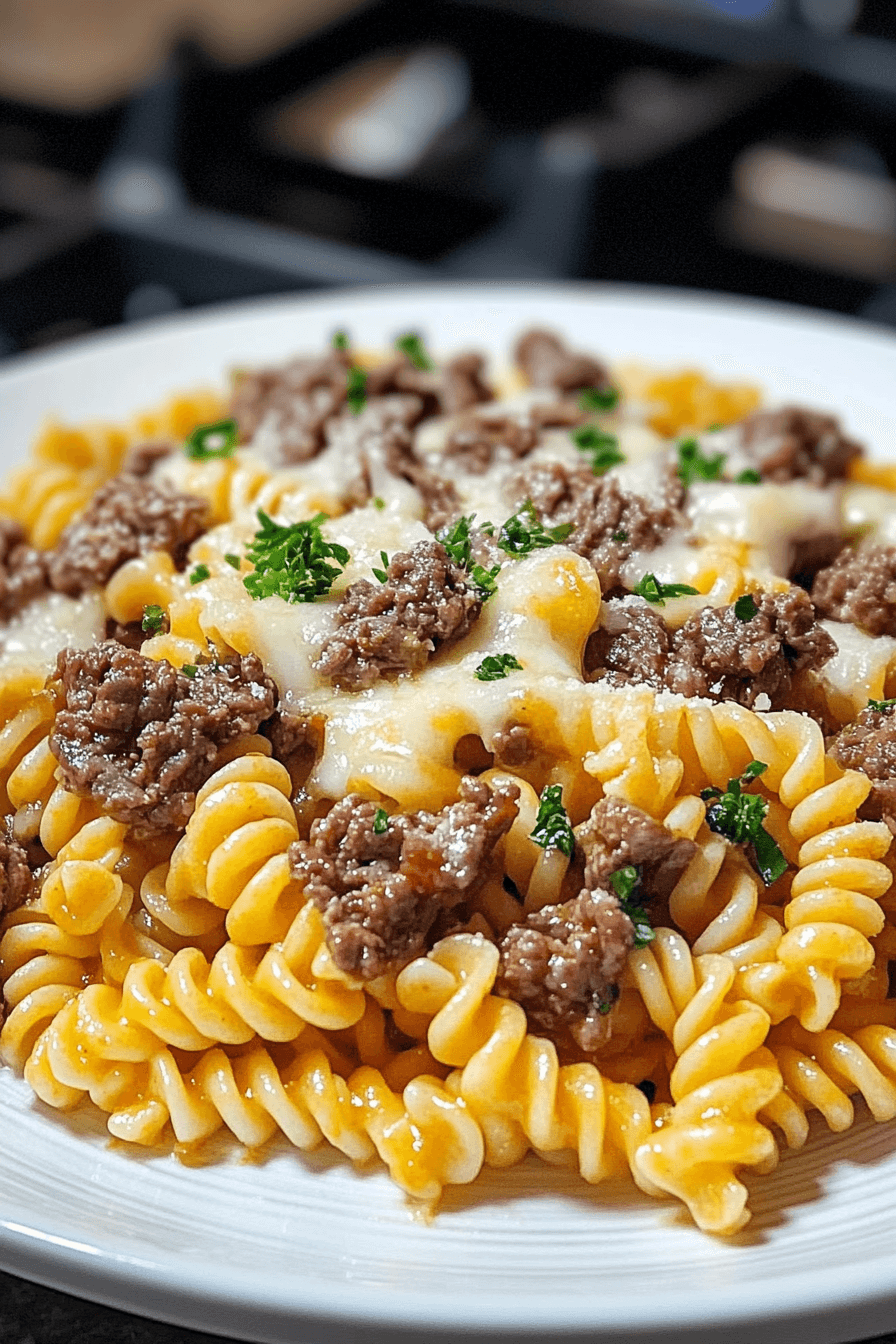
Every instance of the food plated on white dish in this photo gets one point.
(448, 756)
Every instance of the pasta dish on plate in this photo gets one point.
(443, 764)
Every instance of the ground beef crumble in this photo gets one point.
(715, 654)
(396, 626)
(860, 587)
(140, 460)
(23, 570)
(547, 362)
(869, 745)
(617, 834)
(141, 737)
(563, 965)
(382, 893)
(295, 402)
(797, 444)
(608, 523)
(484, 437)
(127, 517)
(16, 879)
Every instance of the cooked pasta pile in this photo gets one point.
(444, 766)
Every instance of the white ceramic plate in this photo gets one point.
(287, 1247)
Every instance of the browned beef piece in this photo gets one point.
(296, 400)
(453, 387)
(716, 654)
(140, 460)
(16, 880)
(23, 570)
(860, 587)
(513, 745)
(441, 500)
(141, 737)
(486, 436)
(797, 444)
(547, 362)
(563, 965)
(609, 523)
(127, 517)
(869, 745)
(396, 626)
(382, 893)
(129, 633)
(618, 834)
(631, 644)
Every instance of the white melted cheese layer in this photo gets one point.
(50, 624)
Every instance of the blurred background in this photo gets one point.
(159, 154)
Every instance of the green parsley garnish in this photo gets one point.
(626, 882)
(599, 398)
(552, 828)
(208, 442)
(356, 384)
(524, 532)
(457, 543)
(380, 821)
(233, 560)
(189, 670)
(602, 448)
(340, 340)
(496, 666)
(619, 536)
(693, 465)
(653, 591)
(745, 608)
(882, 706)
(379, 502)
(749, 477)
(412, 345)
(294, 561)
(153, 619)
(381, 573)
(739, 817)
(199, 573)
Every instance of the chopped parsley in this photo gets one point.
(599, 398)
(496, 666)
(749, 477)
(621, 535)
(340, 340)
(379, 502)
(208, 442)
(412, 345)
(189, 670)
(524, 532)
(381, 573)
(380, 821)
(552, 828)
(356, 393)
(233, 560)
(457, 543)
(652, 590)
(745, 608)
(626, 883)
(199, 573)
(153, 619)
(294, 561)
(882, 706)
(693, 465)
(602, 448)
(739, 817)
